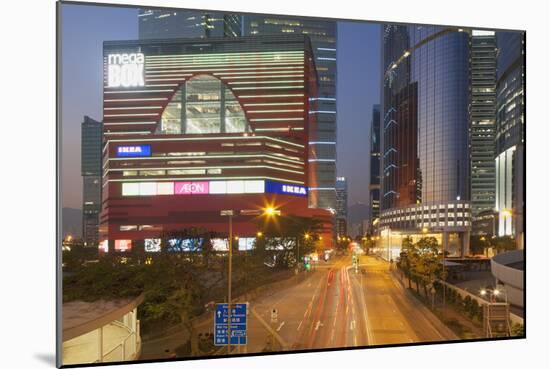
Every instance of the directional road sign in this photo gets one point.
(238, 324)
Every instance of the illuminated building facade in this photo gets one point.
(424, 137)
(193, 127)
(165, 23)
(322, 144)
(177, 23)
(374, 185)
(510, 135)
(482, 122)
(90, 156)
(341, 207)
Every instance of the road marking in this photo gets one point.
(299, 325)
(352, 325)
(281, 326)
(319, 324)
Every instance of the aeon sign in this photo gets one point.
(125, 70)
(191, 188)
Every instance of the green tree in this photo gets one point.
(425, 261)
(407, 251)
(503, 243)
(285, 234)
(479, 244)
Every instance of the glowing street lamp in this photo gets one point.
(259, 234)
(271, 211)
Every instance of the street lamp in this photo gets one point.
(259, 234)
(230, 214)
(271, 211)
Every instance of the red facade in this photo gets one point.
(272, 84)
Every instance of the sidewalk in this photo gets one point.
(454, 322)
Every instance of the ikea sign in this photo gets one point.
(125, 70)
(285, 189)
(134, 150)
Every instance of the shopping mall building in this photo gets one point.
(193, 127)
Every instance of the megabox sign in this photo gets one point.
(125, 70)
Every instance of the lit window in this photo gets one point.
(165, 188)
(130, 189)
(148, 188)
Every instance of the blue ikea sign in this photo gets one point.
(285, 189)
(133, 150)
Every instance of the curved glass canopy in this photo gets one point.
(203, 105)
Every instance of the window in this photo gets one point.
(197, 109)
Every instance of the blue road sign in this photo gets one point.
(238, 324)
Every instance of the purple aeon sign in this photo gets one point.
(133, 150)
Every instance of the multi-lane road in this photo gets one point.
(334, 306)
(340, 307)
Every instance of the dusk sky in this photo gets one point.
(85, 27)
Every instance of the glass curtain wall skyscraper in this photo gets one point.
(424, 136)
(91, 136)
(482, 121)
(374, 185)
(162, 24)
(322, 145)
(341, 207)
(510, 139)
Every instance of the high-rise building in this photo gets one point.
(510, 135)
(180, 23)
(424, 136)
(341, 206)
(162, 24)
(322, 144)
(374, 184)
(91, 137)
(193, 127)
(482, 122)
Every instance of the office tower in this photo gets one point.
(482, 122)
(185, 141)
(341, 206)
(374, 183)
(91, 136)
(164, 24)
(322, 144)
(424, 136)
(510, 135)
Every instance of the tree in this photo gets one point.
(285, 234)
(479, 244)
(503, 243)
(421, 261)
(407, 250)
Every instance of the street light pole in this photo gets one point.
(229, 283)
(229, 213)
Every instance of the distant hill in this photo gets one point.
(71, 220)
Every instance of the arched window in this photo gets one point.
(203, 105)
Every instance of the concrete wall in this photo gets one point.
(511, 278)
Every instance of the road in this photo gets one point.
(333, 307)
(338, 307)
